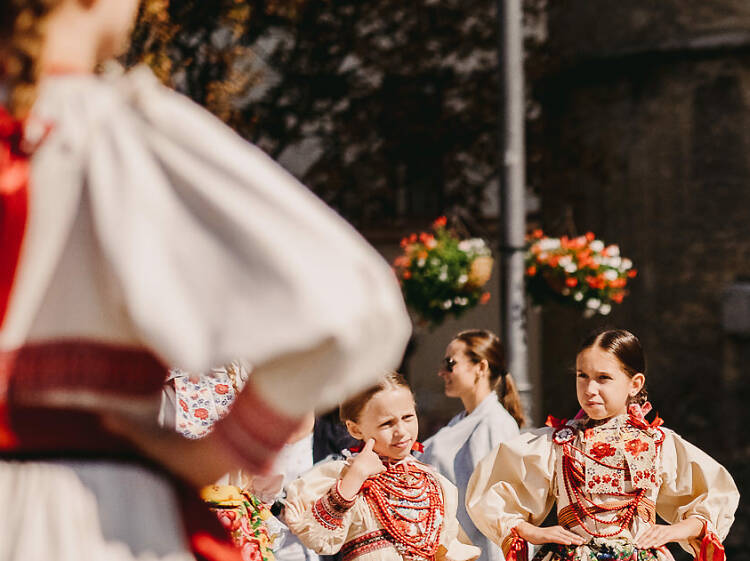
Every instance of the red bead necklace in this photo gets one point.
(408, 503)
(574, 486)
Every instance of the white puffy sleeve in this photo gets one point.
(316, 512)
(514, 483)
(694, 484)
(219, 255)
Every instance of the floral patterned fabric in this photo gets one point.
(203, 400)
(597, 550)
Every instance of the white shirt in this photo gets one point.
(458, 447)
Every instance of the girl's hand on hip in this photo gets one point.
(551, 534)
(661, 534)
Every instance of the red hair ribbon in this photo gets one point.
(711, 547)
(554, 422)
(637, 416)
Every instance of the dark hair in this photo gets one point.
(21, 39)
(626, 348)
(482, 344)
(350, 409)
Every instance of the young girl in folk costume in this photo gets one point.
(381, 504)
(138, 233)
(474, 370)
(610, 472)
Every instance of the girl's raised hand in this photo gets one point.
(364, 465)
(551, 534)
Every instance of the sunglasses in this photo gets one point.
(448, 364)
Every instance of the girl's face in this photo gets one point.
(391, 420)
(603, 386)
(460, 374)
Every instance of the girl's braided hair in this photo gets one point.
(21, 38)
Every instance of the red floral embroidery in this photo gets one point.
(636, 446)
(201, 413)
(184, 405)
(602, 450)
(221, 389)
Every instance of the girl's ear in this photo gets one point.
(636, 384)
(354, 430)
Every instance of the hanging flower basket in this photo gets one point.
(582, 272)
(442, 274)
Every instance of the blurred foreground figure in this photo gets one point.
(137, 233)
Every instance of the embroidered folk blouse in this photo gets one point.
(327, 523)
(609, 482)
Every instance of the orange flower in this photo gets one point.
(618, 296)
(401, 261)
(553, 261)
(632, 273)
(537, 234)
(531, 271)
(590, 236)
(484, 298)
(422, 254)
(440, 222)
(407, 274)
(571, 282)
(618, 283)
(413, 238)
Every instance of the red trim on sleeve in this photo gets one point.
(254, 432)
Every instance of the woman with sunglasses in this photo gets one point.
(474, 370)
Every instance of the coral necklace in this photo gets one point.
(408, 503)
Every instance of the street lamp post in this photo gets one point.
(512, 192)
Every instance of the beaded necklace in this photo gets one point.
(583, 505)
(408, 503)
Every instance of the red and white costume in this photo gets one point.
(405, 513)
(149, 235)
(609, 482)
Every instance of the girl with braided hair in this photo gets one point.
(609, 470)
(138, 233)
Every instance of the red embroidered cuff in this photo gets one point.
(515, 548)
(329, 510)
(254, 432)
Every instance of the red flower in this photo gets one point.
(407, 274)
(632, 273)
(184, 405)
(440, 222)
(222, 389)
(590, 236)
(636, 446)
(531, 271)
(484, 298)
(201, 413)
(571, 282)
(602, 450)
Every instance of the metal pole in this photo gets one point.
(512, 193)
